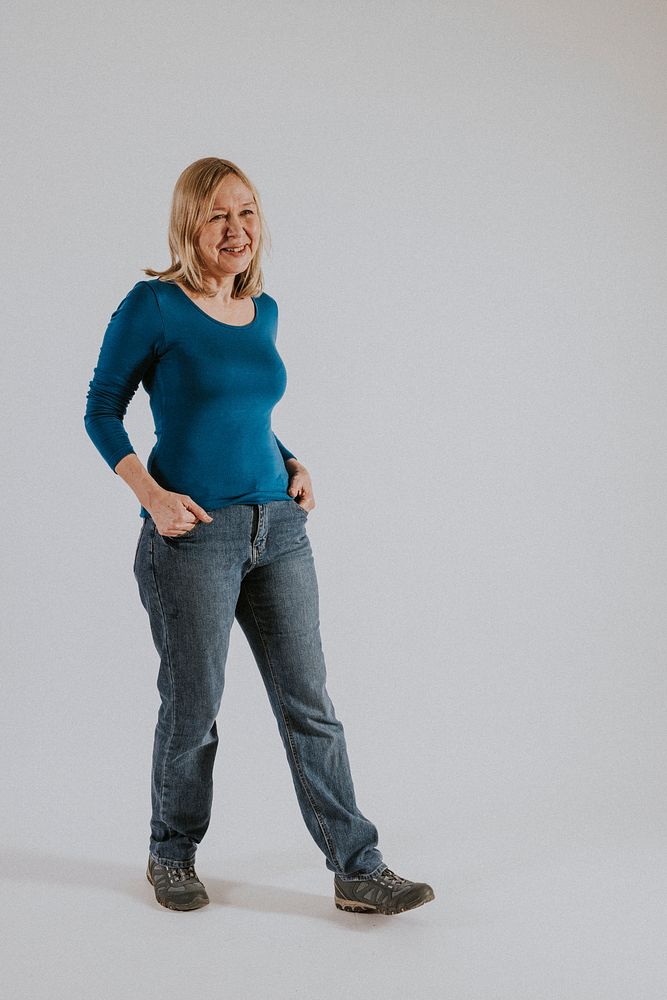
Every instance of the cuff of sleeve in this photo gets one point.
(113, 462)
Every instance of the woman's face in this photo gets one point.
(233, 222)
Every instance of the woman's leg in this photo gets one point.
(278, 610)
(189, 587)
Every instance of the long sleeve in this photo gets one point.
(129, 348)
(285, 452)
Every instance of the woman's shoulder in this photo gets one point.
(141, 291)
(269, 304)
(159, 293)
(138, 298)
(153, 284)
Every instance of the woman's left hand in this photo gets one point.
(300, 486)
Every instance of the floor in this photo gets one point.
(529, 924)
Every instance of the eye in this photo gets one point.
(246, 211)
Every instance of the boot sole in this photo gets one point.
(194, 905)
(353, 906)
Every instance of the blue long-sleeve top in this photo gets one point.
(212, 387)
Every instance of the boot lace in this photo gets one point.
(177, 875)
(390, 877)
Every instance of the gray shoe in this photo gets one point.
(176, 888)
(385, 892)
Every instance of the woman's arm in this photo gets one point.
(140, 481)
(164, 506)
(130, 346)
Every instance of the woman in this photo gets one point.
(225, 506)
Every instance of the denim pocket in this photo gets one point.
(300, 508)
(171, 539)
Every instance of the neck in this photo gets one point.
(220, 288)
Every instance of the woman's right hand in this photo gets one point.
(175, 514)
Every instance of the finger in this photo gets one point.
(198, 511)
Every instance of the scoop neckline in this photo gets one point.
(218, 322)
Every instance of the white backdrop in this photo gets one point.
(466, 203)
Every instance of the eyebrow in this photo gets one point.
(218, 208)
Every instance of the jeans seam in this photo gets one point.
(302, 777)
(136, 549)
(171, 680)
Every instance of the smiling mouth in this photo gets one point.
(236, 251)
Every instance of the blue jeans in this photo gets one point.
(253, 562)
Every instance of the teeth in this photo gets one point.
(233, 249)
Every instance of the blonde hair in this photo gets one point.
(191, 206)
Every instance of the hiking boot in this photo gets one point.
(176, 888)
(385, 892)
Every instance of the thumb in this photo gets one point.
(198, 511)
